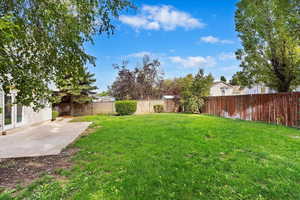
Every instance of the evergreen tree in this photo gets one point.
(74, 90)
(223, 79)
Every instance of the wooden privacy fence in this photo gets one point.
(143, 107)
(279, 108)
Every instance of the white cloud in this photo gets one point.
(140, 54)
(194, 61)
(161, 17)
(214, 40)
(227, 56)
(134, 21)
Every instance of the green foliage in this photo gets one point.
(158, 108)
(6, 196)
(143, 82)
(1, 110)
(43, 41)
(270, 35)
(191, 90)
(55, 114)
(103, 94)
(196, 88)
(127, 107)
(222, 78)
(240, 79)
(193, 104)
(78, 90)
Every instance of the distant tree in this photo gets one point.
(223, 79)
(142, 82)
(149, 79)
(124, 85)
(270, 35)
(177, 85)
(192, 97)
(202, 84)
(170, 87)
(75, 90)
(42, 41)
(103, 94)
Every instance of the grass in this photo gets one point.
(178, 156)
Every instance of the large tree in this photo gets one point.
(270, 35)
(41, 41)
(143, 82)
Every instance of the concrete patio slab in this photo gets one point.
(42, 140)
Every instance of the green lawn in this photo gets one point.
(179, 156)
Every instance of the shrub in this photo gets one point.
(54, 115)
(125, 107)
(193, 104)
(158, 108)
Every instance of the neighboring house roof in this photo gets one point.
(222, 82)
(170, 96)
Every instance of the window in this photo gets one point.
(19, 113)
(223, 91)
(7, 110)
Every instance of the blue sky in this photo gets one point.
(183, 35)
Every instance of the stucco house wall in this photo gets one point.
(221, 89)
(259, 89)
(1, 108)
(225, 89)
(29, 116)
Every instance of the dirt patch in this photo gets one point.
(22, 171)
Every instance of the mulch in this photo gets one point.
(23, 171)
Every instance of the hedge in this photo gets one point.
(158, 108)
(126, 107)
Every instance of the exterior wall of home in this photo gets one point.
(297, 89)
(216, 90)
(2, 108)
(29, 116)
(259, 89)
(237, 90)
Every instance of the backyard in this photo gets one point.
(176, 156)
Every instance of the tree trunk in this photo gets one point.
(284, 82)
(284, 87)
(71, 106)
